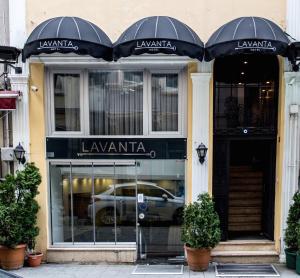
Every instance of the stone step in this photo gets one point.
(245, 256)
(253, 227)
(245, 245)
(244, 181)
(245, 202)
(245, 188)
(241, 219)
(245, 210)
(246, 174)
(242, 195)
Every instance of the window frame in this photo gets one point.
(51, 102)
(147, 105)
(181, 103)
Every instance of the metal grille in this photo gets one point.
(246, 270)
(158, 269)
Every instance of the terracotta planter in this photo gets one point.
(12, 258)
(198, 259)
(35, 259)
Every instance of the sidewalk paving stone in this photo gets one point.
(110, 271)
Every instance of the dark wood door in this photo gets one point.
(220, 181)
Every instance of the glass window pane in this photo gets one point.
(67, 102)
(125, 203)
(164, 102)
(104, 203)
(116, 103)
(60, 203)
(82, 188)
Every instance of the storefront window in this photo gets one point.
(164, 102)
(101, 204)
(67, 102)
(116, 103)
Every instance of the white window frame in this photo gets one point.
(147, 109)
(181, 103)
(51, 108)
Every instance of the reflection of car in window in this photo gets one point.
(161, 205)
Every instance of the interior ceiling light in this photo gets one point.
(242, 73)
(245, 62)
(268, 82)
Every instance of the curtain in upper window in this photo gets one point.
(67, 102)
(116, 103)
(164, 102)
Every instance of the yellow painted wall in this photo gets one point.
(37, 147)
(114, 16)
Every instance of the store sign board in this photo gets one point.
(57, 44)
(155, 45)
(116, 148)
(255, 45)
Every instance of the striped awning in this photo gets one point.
(247, 35)
(68, 35)
(159, 34)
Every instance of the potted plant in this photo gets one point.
(297, 231)
(200, 231)
(18, 215)
(34, 258)
(290, 238)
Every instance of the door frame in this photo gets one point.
(272, 169)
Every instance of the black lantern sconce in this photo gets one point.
(20, 154)
(201, 151)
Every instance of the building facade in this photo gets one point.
(116, 141)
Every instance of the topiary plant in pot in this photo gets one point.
(18, 215)
(290, 239)
(200, 231)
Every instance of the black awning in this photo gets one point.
(68, 35)
(9, 54)
(159, 34)
(247, 35)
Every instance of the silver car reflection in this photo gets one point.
(156, 203)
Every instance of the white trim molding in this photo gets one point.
(200, 131)
(291, 152)
(20, 116)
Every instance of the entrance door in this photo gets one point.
(245, 130)
(243, 186)
(114, 202)
(160, 202)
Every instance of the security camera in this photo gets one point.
(34, 88)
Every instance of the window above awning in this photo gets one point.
(159, 34)
(68, 35)
(247, 35)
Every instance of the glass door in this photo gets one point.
(114, 202)
(160, 202)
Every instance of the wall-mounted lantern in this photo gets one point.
(201, 151)
(20, 154)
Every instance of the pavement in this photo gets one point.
(107, 271)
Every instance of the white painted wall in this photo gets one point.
(291, 152)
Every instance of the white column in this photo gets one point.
(291, 151)
(200, 131)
